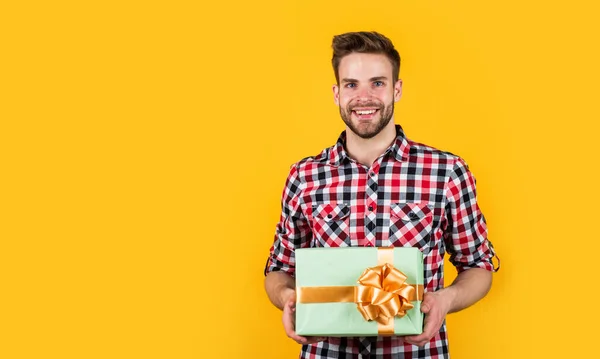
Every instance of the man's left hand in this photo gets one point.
(435, 305)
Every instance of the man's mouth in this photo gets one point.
(365, 113)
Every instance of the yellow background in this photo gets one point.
(144, 146)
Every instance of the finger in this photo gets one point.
(288, 322)
(312, 340)
(289, 326)
(305, 340)
(418, 340)
(299, 339)
(431, 326)
(291, 333)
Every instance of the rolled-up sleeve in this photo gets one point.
(466, 234)
(292, 231)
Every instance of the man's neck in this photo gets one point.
(366, 151)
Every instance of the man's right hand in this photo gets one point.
(289, 321)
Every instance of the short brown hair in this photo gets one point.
(364, 42)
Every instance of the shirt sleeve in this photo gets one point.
(466, 234)
(292, 231)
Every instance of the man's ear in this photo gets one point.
(397, 90)
(336, 94)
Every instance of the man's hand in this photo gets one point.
(435, 305)
(468, 287)
(289, 322)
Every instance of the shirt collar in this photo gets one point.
(399, 149)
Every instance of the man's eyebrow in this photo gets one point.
(379, 78)
(376, 78)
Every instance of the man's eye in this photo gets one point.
(350, 85)
(378, 83)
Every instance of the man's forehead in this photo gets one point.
(364, 65)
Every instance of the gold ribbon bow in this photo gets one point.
(383, 294)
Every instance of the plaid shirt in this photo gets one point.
(412, 196)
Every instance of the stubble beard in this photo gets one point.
(368, 130)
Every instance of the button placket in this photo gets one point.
(371, 207)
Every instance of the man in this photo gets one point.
(375, 187)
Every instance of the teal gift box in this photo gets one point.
(328, 292)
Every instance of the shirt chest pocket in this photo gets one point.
(411, 225)
(331, 225)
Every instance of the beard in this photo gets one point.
(368, 130)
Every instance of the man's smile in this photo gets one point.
(365, 113)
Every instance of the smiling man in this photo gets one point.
(375, 187)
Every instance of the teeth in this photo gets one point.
(366, 112)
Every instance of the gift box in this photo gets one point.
(359, 291)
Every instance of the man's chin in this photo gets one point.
(366, 130)
(365, 133)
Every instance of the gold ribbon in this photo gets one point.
(381, 295)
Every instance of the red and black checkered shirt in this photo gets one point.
(412, 196)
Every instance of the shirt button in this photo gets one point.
(369, 245)
(412, 215)
(370, 208)
(372, 174)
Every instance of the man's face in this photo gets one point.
(366, 93)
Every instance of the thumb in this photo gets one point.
(426, 304)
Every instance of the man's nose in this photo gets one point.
(364, 93)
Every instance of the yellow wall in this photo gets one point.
(144, 146)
